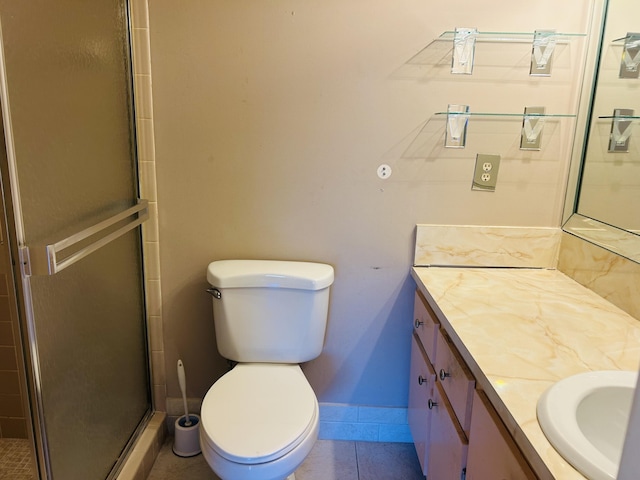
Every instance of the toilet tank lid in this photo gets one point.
(270, 274)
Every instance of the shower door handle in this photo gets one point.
(43, 259)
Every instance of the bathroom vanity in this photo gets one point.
(487, 342)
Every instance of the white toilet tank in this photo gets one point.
(270, 311)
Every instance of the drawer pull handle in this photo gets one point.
(444, 374)
(418, 323)
(432, 404)
(421, 380)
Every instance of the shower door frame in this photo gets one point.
(21, 287)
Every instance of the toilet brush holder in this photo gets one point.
(186, 442)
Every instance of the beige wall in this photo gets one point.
(271, 119)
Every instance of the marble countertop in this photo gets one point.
(520, 330)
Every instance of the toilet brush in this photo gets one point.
(186, 440)
(183, 388)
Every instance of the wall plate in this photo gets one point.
(485, 175)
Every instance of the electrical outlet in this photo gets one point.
(485, 175)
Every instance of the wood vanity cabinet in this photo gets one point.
(439, 437)
(456, 431)
(492, 452)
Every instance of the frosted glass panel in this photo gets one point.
(69, 88)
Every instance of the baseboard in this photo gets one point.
(337, 421)
(364, 423)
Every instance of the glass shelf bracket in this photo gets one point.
(621, 123)
(464, 45)
(630, 56)
(544, 43)
(532, 124)
(456, 129)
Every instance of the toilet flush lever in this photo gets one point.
(215, 292)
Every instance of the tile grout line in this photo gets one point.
(355, 446)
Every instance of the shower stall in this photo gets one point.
(74, 376)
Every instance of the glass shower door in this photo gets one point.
(67, 106)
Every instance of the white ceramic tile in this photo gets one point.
(367, 432)
(462, 245)
(158, 368)
(160, 397)
(337, 412)
(147, 173)
(152, 260)
(154, 298)
(156, 335)
(150, 227)
(139, 14)
(146, 140)
(382, 415)
(143, 96)
(397, 433)
(141, 52)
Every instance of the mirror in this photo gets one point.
(608, 192)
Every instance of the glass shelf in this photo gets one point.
(508, 37)
(617, 117)
(512, 115)
(458, 53)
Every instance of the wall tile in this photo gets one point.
(13, 427)
(147, 173)
(6, 334)
(146, 140)
(139, 14)
(8, 360)
(9, 384)
(3, 284)
(366, 432)
(334, 412)
(11, 406)
(5, 312)
(143, 100)
(141, 52)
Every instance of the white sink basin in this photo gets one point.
(585, 418)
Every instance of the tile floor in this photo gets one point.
(329, 460)
(15, 459)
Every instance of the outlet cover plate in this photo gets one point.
(485, 175)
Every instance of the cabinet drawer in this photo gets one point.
(492, 451)
(448, 445)
(456, 379)
(425, 324)
(421, 384)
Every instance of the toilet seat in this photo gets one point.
(258, 412)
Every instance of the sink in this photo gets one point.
(585, 418)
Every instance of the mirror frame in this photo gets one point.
(616, 240)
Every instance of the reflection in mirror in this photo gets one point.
(610, 185)
(608, 198)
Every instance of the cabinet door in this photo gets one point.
(447, 442)
(492, 452)
(456, 379)
(421, 385)
(425, 324)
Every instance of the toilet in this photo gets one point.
(260, 420)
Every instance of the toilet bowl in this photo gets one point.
(260, 421)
